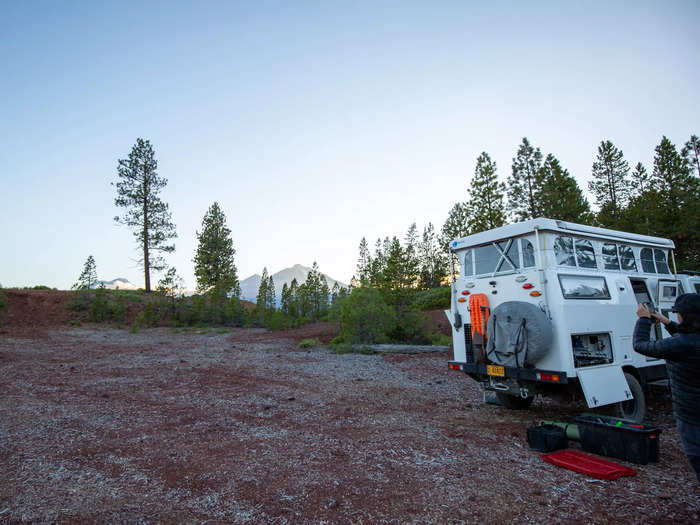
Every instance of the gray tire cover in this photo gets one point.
(519, 334)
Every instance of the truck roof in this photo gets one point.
(544, 224)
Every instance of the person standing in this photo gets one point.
(682, 355)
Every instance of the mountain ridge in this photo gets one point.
(250, 285)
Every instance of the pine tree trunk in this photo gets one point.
(146, 259)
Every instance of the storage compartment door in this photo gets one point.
(604, 385)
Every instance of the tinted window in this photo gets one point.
(528, 253)
(486, 259)
(661, 263)
(585, 256)
(627, 258)
(647, 260)
(583, 287)
(564, 251)
(467, 268)
(610, 260)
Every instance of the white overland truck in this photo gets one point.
(548, 307)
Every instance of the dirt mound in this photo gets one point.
(36, 308)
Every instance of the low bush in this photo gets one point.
(309, 343)
(433, 299)
(366, 318)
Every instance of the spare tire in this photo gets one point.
(519, 334)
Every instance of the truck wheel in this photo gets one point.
(514, 402)
(636, 408)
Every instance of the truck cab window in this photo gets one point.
(661, 262)
(564, 251)
(647, 257)
(627, 258)
(585, 256)
(528, 253)
(610, 259)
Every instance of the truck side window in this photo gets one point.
(627, 258)
(585, 256)
(528, 253)
(647, 260)
(661, 262)
(610, 260)
(467, 267)
(564, 251)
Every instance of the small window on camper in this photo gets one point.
(564, 251)
(668, 293)
(627, 258)
(528, 253)
(661, 262)
(467, 267)
(585, 256)
(583, 287)
(647, 257)
(610, 260)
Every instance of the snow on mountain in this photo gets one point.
(250, 285)
(116, 284)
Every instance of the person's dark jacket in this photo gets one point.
(682, 355)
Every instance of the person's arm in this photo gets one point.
(671, 326)
(669, 348)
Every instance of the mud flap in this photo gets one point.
(604, 385)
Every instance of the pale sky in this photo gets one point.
(313, 124)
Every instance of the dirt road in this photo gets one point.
(101, 425)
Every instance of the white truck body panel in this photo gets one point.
(590, 302)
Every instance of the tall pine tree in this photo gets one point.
(433, 266)
(561, 197)
(88, 277)
(486, 196)
(610, 184)
(138, 190)
(691, 155)
(213, 262)
(525, 183)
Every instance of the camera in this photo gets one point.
(651, 308)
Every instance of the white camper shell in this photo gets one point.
(556, 304)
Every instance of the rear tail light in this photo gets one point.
(548, 377)
(527, 286)
(454, 366)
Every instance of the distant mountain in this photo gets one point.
(116, 284)
(249, 286)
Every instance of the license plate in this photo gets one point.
(494, 370)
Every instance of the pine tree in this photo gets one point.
(293, 301)
(610, 184)
(364, 262)
(213, 261)
(639, 181)
(138, 190)
(691, 155)
(677, 215)
(525, 183)
(285, 300)
(456, 225)
(486, 196)
(560, 196)
(88, 277)
(433, 266)
(411, 261)
(271, 296)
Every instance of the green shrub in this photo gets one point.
(366, 318)
(79, 301)
(411, 328)
(439, 339)
(41, 287)
(101, 308)
(342, 348)
(309, 343)
(433, 299)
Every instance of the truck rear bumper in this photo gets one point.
(519, 374)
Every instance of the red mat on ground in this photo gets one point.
(588, 465)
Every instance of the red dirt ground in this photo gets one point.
(241, 426)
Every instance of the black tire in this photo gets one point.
(514, 402)
(636, 408)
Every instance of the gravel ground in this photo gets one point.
(101, 425)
